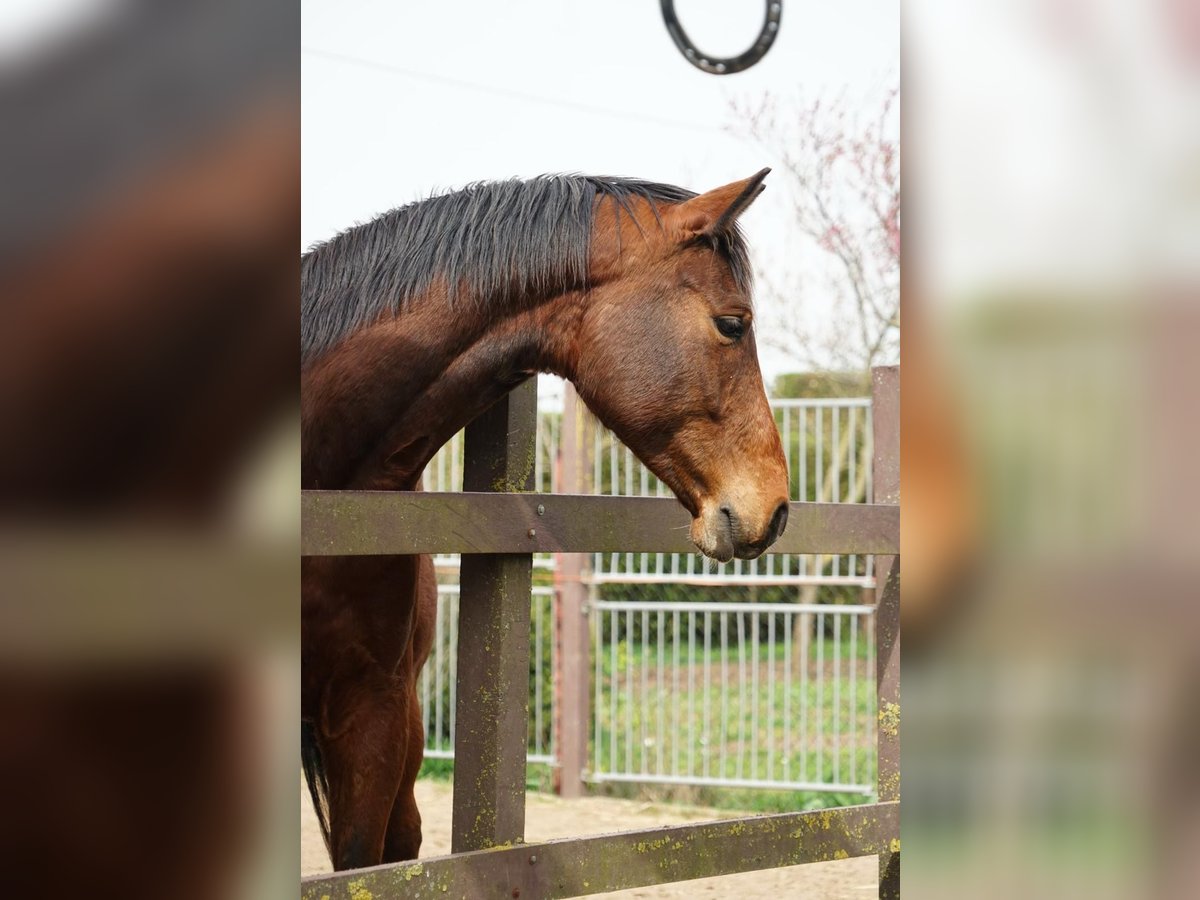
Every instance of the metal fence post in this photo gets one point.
(492, 710)
(885, 389)
(571, 679)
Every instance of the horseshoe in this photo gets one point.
(726, 65)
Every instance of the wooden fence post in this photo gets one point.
(571, 678)
(885, 392)
(492, 710)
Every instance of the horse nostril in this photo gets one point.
(727, 515)
(778, 522)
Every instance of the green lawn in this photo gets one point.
(727, 716)
(749, 710)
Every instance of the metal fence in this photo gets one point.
(756, 695)
(828, 447)
(437, 687)
(827, 443)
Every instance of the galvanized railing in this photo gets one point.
(828, 445)
(437, 688)
(753, 695)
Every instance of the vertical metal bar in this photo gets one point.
(493, 671)
(820, 638)
(659, 559)
(629, 702)
(851, 494)
(786, 416)
(658, 689)
(724, 691)
(885, 412)
(644, 491)
(675, 692)
(805, 640)
(691, 692)
(803, 450)
(708, 678)
(741, 710)
(852, 457)
(446, 470)
(614, 488)
(538, 449)
(819, 417)
(439, 641)
(707, 732)
(597, 655)
(854, 698)
(426, 678)
(571, 596)
(613, 681)
(754, 663)
(788, 624)
(645, 694)
(805, 440)
(535, 602)
(614, 484)
(835, 489)
(837, 696)
(771, 692)
(629, 465)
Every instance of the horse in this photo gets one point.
(413, 324)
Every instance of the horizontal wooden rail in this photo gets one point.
(576, 866)
(358, 523)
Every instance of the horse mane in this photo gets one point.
(507, 241)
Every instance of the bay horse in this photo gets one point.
(414, 323)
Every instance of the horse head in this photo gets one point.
(666, 358)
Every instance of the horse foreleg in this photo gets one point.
(404, 827)
(364, 764)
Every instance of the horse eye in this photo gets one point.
(730, 326)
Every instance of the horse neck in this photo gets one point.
(377, 408)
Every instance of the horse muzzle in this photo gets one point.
(721, 533)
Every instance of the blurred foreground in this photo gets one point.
(148, 520)
(1051, 732)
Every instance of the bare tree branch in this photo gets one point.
(844, 174)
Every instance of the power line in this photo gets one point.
(523, 96)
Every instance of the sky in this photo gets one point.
(403, 99)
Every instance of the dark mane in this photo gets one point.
(496, 239)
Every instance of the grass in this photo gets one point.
(737, 718)
(763, 716)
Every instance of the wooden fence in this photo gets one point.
(498, 528)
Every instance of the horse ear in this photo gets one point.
(713, 212)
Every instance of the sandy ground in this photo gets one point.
(548, 817)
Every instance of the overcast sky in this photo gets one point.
(401, 99)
